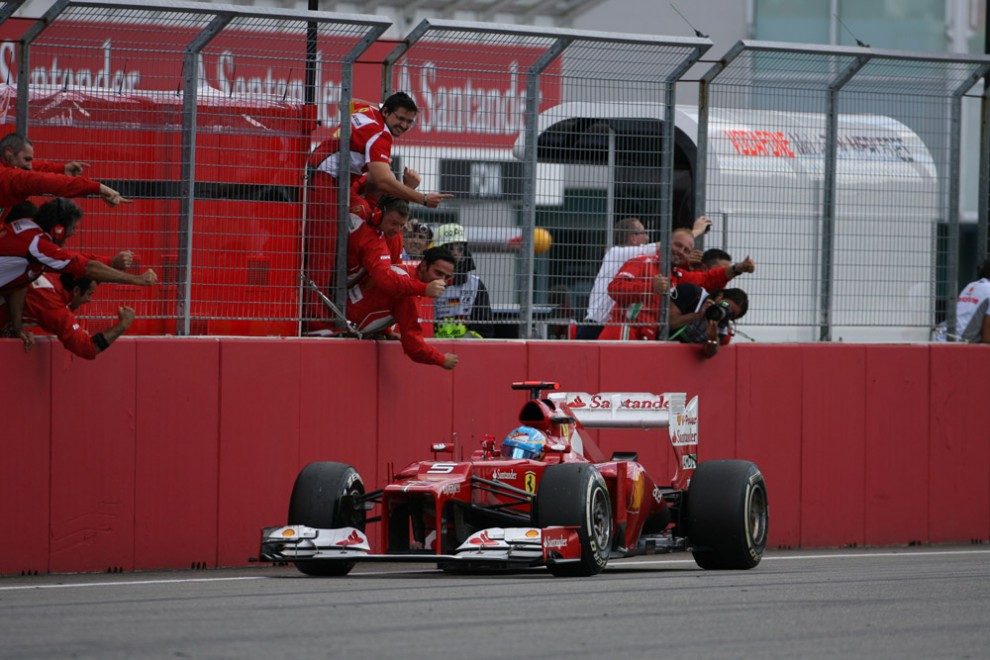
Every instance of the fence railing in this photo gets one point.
(836, 169)
(864, 147)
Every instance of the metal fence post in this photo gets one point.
(344, 165)
(529, 181)
(190, 95)
(828, 193)
(24, 62)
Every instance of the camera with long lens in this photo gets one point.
(719, 312)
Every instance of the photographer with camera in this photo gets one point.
(697, 317)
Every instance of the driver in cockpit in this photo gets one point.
(524, 442)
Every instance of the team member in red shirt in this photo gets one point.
(376, 310)
(380, 292)
(18, 151)
(636, 290)
(373, 247)
(372, 132)
(18, 180)
(28, 247)
(16, 185)
(637, 286)
(51, 305)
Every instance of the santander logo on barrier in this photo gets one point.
(453, 101)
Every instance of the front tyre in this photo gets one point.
(728, 515)
(325, 497)
(574, 495)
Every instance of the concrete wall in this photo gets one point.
(172, 453)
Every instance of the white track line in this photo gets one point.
(838, 555)
(844, 555)
(130, 582)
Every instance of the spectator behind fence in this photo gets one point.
(973, 309)
(51, 305)
(29, 246)
(697, 317)
(416, 238)
(376, 310)
(372, 132)
(464, 309)
(700, 227)
(638, 284)
(715, 258)
(681, 248)
(630, 241)
(636, 291)
(18, 151)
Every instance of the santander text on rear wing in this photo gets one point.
(618, 410)
(642, 410)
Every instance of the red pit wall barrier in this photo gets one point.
(959, 464)
(93, 441)
(483, 401)
(260, 405)
(768, 429)
(177, 457)
(833, 445)
(25, 443)
(166, 453)
(898, 395)
(575, 365)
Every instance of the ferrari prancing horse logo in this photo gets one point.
(529, 481)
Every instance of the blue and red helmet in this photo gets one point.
(524, 442)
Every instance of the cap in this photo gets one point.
(449, 233)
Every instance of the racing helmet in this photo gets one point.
(524, 442)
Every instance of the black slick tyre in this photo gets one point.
(323, 496)
(574, 494)
(728, 515)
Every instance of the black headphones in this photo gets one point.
(379, 207)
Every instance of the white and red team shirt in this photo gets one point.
(972, 306)
(26, 251)
(371, 141)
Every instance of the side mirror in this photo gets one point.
(488, 446)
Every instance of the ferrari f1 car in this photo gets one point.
(546, 495)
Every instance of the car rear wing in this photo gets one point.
(631, 410)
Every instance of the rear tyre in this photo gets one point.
(324, 497)
(574, 494)
(728, 515)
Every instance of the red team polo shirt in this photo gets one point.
(26, 251)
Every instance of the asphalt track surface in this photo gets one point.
(931, 602)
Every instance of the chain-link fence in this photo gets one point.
(836, 169)
(538, 188)
(203, 115)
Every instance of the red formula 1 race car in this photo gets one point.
(545, 496)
